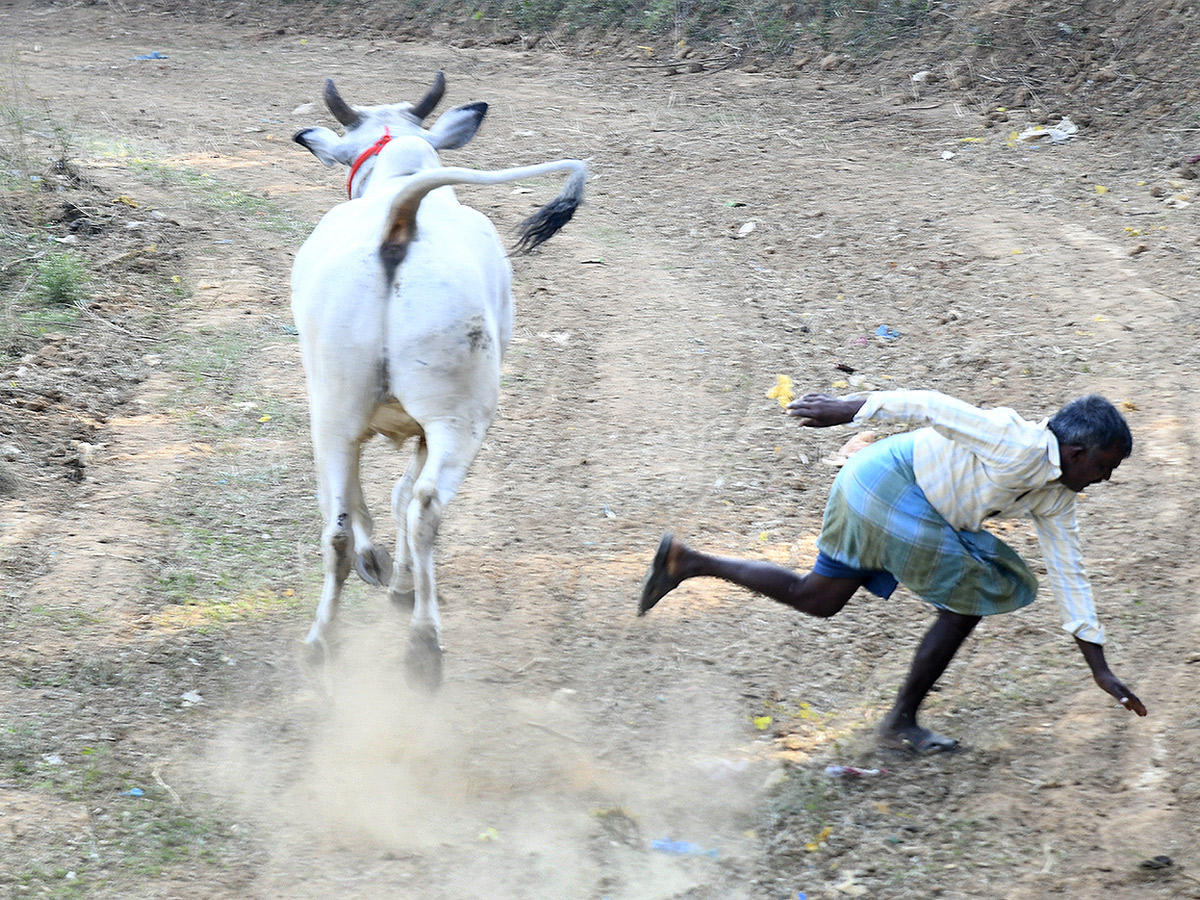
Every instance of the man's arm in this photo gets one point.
(822, 411)
(991, 434)
(1059, 538)
(1058, 535)
(1094, 654)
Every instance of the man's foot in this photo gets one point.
(916, 740)
(658, 582)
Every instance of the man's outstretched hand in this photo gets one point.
(822, 411)
(1103, 676)
(1124, 695)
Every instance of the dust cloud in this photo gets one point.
(487, 789)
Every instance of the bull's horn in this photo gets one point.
(342, 111)
(431, 98)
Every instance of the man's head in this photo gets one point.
(1093, 438)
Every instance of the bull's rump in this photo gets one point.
(426, 344)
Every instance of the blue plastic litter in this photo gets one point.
(133, 792)
(888, 334)
(683, 848)
(153, 55)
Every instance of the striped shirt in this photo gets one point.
(974, 464)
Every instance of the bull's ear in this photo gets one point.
(324, 144)
(456, 127)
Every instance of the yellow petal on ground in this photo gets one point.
(783, 390)
(814, 845)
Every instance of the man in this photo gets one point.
(910, 508)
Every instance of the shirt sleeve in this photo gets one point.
(991, 434)
(1063, 555)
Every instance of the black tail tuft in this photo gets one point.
(545, 223)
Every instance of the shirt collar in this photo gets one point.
(1052, 450)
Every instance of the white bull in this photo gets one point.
(403, 304)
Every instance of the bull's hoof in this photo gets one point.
(403, 600)
(313, 653)
(373, 566)
(318, 652)
(423, 662)
(320, 646)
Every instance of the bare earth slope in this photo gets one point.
(738, 226)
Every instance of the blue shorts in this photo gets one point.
(877, 581)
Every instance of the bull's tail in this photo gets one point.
(546, 222)
(400, 226)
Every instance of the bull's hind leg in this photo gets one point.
(400, 590)
(451, 448)
(346, 537)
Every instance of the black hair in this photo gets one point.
(1092, 423)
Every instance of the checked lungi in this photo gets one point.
(878, 522)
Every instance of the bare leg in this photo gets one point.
(900, 729)
(814, 594)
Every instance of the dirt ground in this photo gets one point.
(159, 733)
